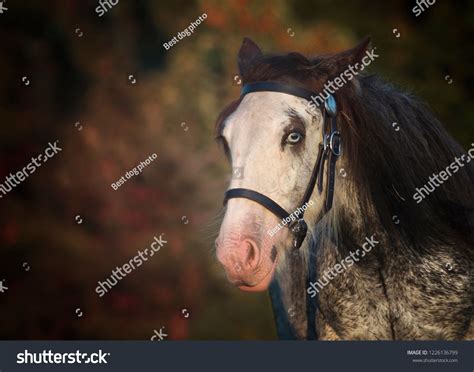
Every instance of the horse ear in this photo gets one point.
(337, 63)
(247, 53)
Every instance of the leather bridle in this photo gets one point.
(329, 151)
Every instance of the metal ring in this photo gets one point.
(331, 143)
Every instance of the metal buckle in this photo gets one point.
(299, 229)
(332, 146)
(325, 141)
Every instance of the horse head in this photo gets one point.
(279, 139)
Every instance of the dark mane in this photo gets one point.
(387, 165)
(390, 165)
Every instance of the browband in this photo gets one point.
(273, 86)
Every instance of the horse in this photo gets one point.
(329, 207)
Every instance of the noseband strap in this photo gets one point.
(258, 198)
(329, 152)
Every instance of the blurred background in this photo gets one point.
(107, 89)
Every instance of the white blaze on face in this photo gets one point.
(256, 134)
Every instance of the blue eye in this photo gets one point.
(294, 138)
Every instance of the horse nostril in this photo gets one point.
(251, 259)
